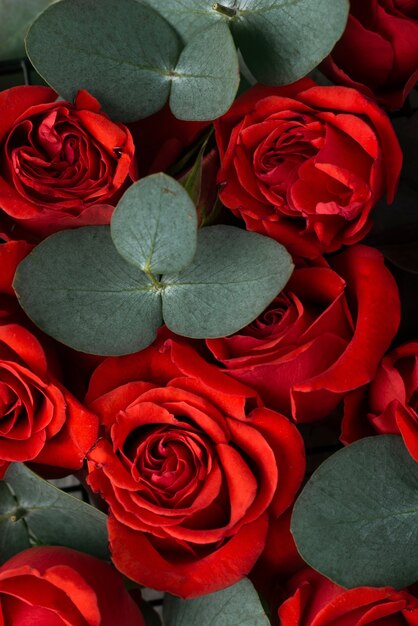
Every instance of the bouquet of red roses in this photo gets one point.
(208, 312)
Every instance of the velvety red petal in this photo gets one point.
(374, 294)
(134, 555)
(15, 101)
(289, 450)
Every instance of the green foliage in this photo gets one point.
(131, 59)
(155, 225)
(238, 605)
(356, 520)
(79, 289)
(34, 512)
(280, 41)
(15, 19)
(232, 279)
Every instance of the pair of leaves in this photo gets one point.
(280, 40)
(130, 55)
(32, 511)
(235, 605)
(356, 520)
(107, 290)
(132, 60)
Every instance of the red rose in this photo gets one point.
(53, 586)
(191, 466)
(61, 165)
(389, 405)
(378, 53)
(322, 337)
(316, 601)
(306, 164)
(39, 419)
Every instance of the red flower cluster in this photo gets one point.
(195, 447)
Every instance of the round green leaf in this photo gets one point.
(78, 289)
(121, 51)
(235, 274)
(52, 517)
(236, 605)
(155, 225)
(280, 40)
(356, 521)
(15, 19)
(206, 78)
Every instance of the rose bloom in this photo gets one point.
(39, 419)
(389, 405)
(61, 165)
(316, 601)
(306, 164)
(378, 52)
(53, 586)
(192, 467)
(322, 337)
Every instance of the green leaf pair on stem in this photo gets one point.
(133, 56)
(106, 290)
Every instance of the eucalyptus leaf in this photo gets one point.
(356, 521)
(207, 76)
(15, 18)
(280, 40)
(130, 58)
(238, 605)
(78, 289)
(155, 225)
(121, 51)
(234, 276)
(49, 516)
(150, 615)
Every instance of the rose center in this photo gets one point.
(170, 462)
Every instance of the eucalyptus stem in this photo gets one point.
(228, 11)
(155, 282)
